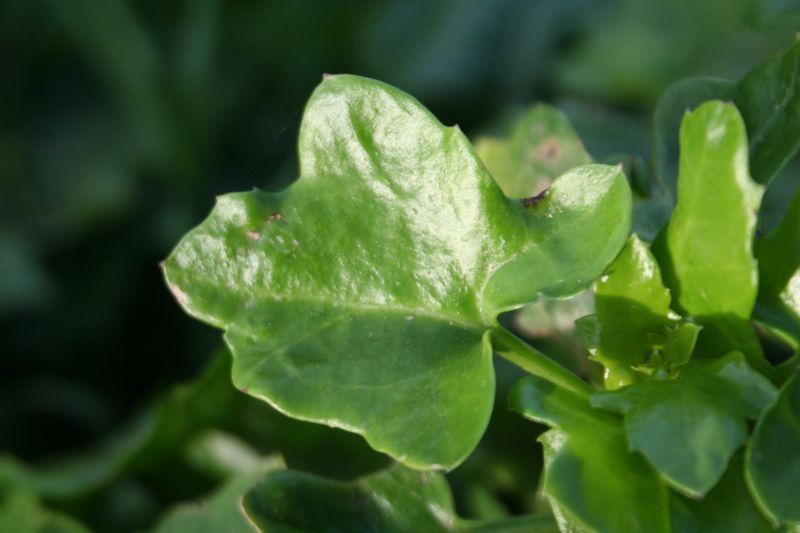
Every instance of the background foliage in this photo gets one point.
(120, 122)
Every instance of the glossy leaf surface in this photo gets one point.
(705, 251)
(360, 297)
(773, 456)
(395, 500)
(542, 145)
(689, 428)
(591, 478)
(631, 306)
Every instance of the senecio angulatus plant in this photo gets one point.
(366, 296)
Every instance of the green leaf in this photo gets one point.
(631, 305)
(395, 500)
(778, 255)
(773, 456)
(728, 507)
(542, 145)
(590, 477)
(705, 252)
(673, 105)
(769, 101)
(361, 296)
(689, 428)
(21, 513)
(220, 512)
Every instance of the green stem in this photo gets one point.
(532, 360)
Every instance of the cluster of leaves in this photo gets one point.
(367, 297)
(343, 331)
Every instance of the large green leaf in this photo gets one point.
(541, 146)
(590, 477)
(773, 456)
(769, 101)
(397, 500)
(689, 428)
(361, 296)
(728, 507)
(705, 252)
(220, 512)
(632, 307)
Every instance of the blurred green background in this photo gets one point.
(121, 120)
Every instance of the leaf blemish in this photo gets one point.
(534, 200)
(252, 235)
(550, 150)
(277, 216)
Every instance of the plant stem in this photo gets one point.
(532, 360)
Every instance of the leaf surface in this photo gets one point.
(361, 296)
(689, 428)
(705, 251)
(778, 255)
(773, 456)
(631, 306)
(715, 511)
(590, 476)
(394, 500)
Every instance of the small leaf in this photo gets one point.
(728, 507)
(769, 101)
(361, 296)
(395, 500)
(679, 343)
(590, 477)
(689, 428)
(542, 146)
(705, 252)
(773, 456)
(631, 304)
(219, 512)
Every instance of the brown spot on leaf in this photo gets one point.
(243, 389)
(277, 216)
(549, 151)
(252, 235)
(534, 200)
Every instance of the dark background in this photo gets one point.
(120, 121)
